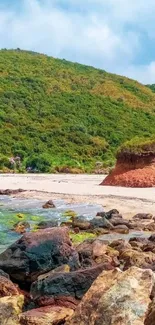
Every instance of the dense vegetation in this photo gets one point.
(56, 114)
(138, 146)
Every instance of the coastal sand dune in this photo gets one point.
(82, 188)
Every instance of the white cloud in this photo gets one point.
(103, 33)
(144, 73)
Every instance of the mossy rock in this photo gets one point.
(70, 213)
(79, 238)
(21, 216)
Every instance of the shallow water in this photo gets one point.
(34, 213)
(113, 236)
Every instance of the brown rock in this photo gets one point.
(116, 298)
(149, 227)
(10, 308)
(98, 248)
(152, 238)
(150, 318)
(137, 245)
(52, 315)
(80, 223)
(142, 240)
(7, 288)
(120, 245)
(142, 216)
(121, 229)
(119, 221)
(150, 247)
(135, 258)
(97, 251)
(11, 192)
(49, 205)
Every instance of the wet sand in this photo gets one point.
(82, 188)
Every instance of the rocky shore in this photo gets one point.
(75, 274)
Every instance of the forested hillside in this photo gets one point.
(56, 113)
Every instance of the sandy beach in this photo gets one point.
(82, 188)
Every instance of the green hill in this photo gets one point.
(66, 114)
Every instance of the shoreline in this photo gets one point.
(81, 188)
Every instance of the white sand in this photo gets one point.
(82, 188)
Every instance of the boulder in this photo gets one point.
(150, 318)
(116, 298)
(96, 251)
(132, 257)
(149, 227)
(101, 222)
(137, 245)
(81, 223)
(48, 224)
(114, 213)
(152, 238)
(50, 315)
(108, 215)
(64, 289)
(121, 229)
(7, 288)
(142, 240)
(49, 205)
(10, 308)
(120, 245)
(119, 222)
(143, 216)
(38, 253)
(149, 247)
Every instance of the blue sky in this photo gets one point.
(116, 35)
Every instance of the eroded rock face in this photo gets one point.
(52, 315)
(133, 171)
(37, 253)
(116, 298)
(64, 289)
(10, 308)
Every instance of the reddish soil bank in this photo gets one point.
(132, 172)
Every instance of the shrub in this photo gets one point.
(40, 163)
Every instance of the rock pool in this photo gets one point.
(33, 213)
